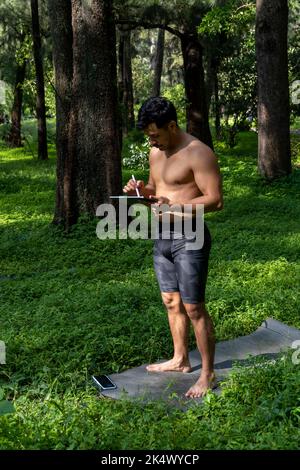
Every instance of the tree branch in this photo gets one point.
(136, 24)
(246, 5)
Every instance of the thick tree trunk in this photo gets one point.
(125, 82)
(197, 113)
(60, 15)
(94, 124)
(14, 137)
(89, 163)
(158, 62)
(40, 88)
(274, 154)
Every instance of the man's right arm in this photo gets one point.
(150, 187)
(145, 190)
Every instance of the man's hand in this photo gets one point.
(175, 209)
(130, 187)
(162, 200)
(163, 205)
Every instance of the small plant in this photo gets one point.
(137, 156)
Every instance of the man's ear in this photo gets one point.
(172, 126)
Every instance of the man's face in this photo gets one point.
(158, 136)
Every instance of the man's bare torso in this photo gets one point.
(172, 174)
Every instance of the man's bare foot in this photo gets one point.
(170, 366)
(206, 382)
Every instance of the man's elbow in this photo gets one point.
(219, 204)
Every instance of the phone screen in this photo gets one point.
(103, 381)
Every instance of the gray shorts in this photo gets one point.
(181, 270)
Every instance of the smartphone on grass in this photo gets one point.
(103, 382)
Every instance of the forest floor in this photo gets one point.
(73, 305)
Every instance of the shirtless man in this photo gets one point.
(183, 170)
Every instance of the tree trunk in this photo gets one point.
(60, 15)
(274, 154)
(197, 113)
(158, 62)
(209, 82)
(125, 82)
(40, 88)
(94, 121)
(217, 105)
(89, 163)
(14, 137)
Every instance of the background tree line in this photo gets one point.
(224, 63)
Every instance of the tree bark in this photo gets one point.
(14, 138)
(40, 87)
(94, 125)
(125, 82)
(89, 163)
(158, 62)
(217, 105)
(60, 15)
(274, 153)
(197, 113)
(209, 80)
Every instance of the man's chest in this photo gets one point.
(171, 171)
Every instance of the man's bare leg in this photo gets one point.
(179, 325)
(204, 333)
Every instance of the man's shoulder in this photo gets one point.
(197, 145)
(153, 154)
(199, 152)
(154, 151)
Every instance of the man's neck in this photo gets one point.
(177, 143)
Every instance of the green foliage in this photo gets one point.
(6, 103)
(177, 12)
(6, 407)
(15, 36)
(293, 52)
(232, 18)
(29, 90)
(50, 97)
(295, 148)
(144, 48)
(172, 73)
(74, 305)
(135, 150)
(229, 31)
(176, 94)
(17, 48)
(29, 136)
(142, 79)
(24, 52)
(136, 155)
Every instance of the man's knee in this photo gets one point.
(172, 301)
(195, 311)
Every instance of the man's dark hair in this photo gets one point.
(157, 110)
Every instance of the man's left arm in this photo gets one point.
(208, 179)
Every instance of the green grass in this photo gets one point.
(295, 122)
(75, 305)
